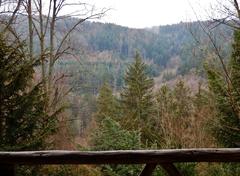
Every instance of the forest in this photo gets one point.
(69, 83)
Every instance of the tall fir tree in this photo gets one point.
(137, 100)
(227, 98)
(164, 100)
(110, 135)
(24, 124)
(106, 104)
(182, 100)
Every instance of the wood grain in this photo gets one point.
(121, 157)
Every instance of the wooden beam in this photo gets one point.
(170, 169)
(148, 169)
(120, 157)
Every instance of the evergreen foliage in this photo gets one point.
(106, 103)
(24, 124)
(164, 98)
(182, 100)
(137, 94)
(137, 100)
(111, 136)
(227, 98)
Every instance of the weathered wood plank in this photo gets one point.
(170, 169)
(148, 169)
(121, 157)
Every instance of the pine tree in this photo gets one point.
(164, 99)
(111, 136)
(182, 100)
(106, 103)
(137, 100)
(227, 98)
(24, 124)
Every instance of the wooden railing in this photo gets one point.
(151, 158)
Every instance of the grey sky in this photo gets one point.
(147, 13)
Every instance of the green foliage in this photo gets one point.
(111, 136)
(227, 99)
(234, 65)
(90, 76)
(82, 111)
(136, 96)
(182, 100)
(158, 45)
(62, 171)
(23, 124)
(66, 170)
(187, 169)
(137, 100)
(176, 103)
(164, 99)
(167, 76)
(222, 169)
(178, 114)
(106, 103)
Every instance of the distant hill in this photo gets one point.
(157, 45)
(105, 50)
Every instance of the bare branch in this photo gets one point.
(76, 24)
(12, 18)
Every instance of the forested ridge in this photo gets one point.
(156, 45)
(74, 84)
(110, 43)
(103, 51)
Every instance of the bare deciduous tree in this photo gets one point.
(41, 18)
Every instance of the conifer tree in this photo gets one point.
(110, 135)
(164, 99)
(182, 100)
(106, 103)
(137, 100)
(227, 98)
(24, 124)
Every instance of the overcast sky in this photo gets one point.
(147, 13)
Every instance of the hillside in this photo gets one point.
(105, 50)
(159, 46)
(70, 83)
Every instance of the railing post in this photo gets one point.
(7, 170)
(148, 169)
(170, 169)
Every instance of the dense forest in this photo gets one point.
(171, 53)
(74, 84)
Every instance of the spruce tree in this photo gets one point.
(110, 135)
(182, 100)
(106, 103)
(24, 124)
(137, 100)
(227, 98)
(164, 99)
